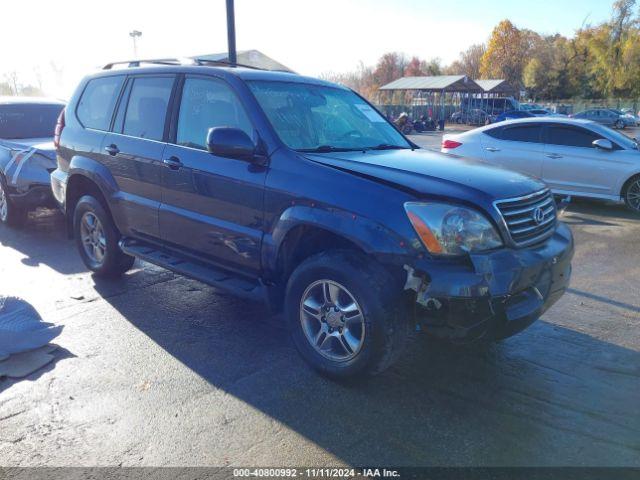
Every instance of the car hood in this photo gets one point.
(433, 174)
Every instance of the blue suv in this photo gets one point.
(299, 192)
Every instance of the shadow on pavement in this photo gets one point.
(549, 396)
(585, 211)
(43, 232)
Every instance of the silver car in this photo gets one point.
(603, 116)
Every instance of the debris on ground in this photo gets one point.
(24, 338)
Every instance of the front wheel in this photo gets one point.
(97, 239)
(344, 315)
(619, 125)
(10, 213)
(631, 194)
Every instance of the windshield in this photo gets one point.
(28, 121)
(311, 117)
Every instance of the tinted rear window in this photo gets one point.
(28, 121)
(147, 107)
(572, 137)
(97, 102)
(527, 133)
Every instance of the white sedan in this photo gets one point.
(574, 157)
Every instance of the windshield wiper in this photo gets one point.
(387, 146)
(328, 148)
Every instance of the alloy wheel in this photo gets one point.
(332, 320)
(93, 238)
(633, 195)
(4, 205)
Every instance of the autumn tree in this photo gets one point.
(505, 55)
(414, 68)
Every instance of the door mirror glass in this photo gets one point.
(603, 144)
(230, 143)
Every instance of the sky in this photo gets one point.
(53, 44)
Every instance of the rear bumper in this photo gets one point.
(36, 196)
(498, 294)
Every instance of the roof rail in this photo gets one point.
(177, 61)
(152, 61)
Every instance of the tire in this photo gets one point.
(631, 194)
(384, 327)
(619, 125)
(101, 254)
(10, 213)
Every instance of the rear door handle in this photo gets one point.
(112, 150)
(173, 163)
(553, 155)
(492, 149)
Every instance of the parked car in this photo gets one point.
(27, 155)
(512, 114)
(604, 116)
(298, 191)
(629, 119)
(574, 157)
(493, 106)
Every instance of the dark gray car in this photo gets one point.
(27, 155)
(603, 116)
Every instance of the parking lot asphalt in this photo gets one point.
(155, 369)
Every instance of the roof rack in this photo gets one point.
(153, 61)
(177, 61)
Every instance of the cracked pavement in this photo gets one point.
(159, 370)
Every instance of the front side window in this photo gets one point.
(97, 102)
(147, 107)
(527, 133)
(311, 117)
(28, 120)
(572, 137)
(208, 103)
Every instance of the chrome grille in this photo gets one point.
(529, 219)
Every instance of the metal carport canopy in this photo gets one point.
(440, 83)
(495, 86)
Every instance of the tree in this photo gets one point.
(471, 60)
(11, 79)
(414, 68)
(505, 54)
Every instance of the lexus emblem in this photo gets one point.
(538, 215)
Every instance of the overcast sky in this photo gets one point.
(38, 37)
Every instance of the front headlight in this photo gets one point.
(447, 229)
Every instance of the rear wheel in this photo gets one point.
(10, 214)
(619, 124)
(97, 239)
(631, 194)
(344, 316)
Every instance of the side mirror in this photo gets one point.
(230, 143)
(603, 144)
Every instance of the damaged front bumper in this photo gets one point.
(492, 295)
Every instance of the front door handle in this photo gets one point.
(173, 163)
(553, 155)
(112, 150)
(492, 149)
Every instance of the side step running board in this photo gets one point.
(217, 278)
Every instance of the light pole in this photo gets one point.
(134, 35)
(231, 32)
